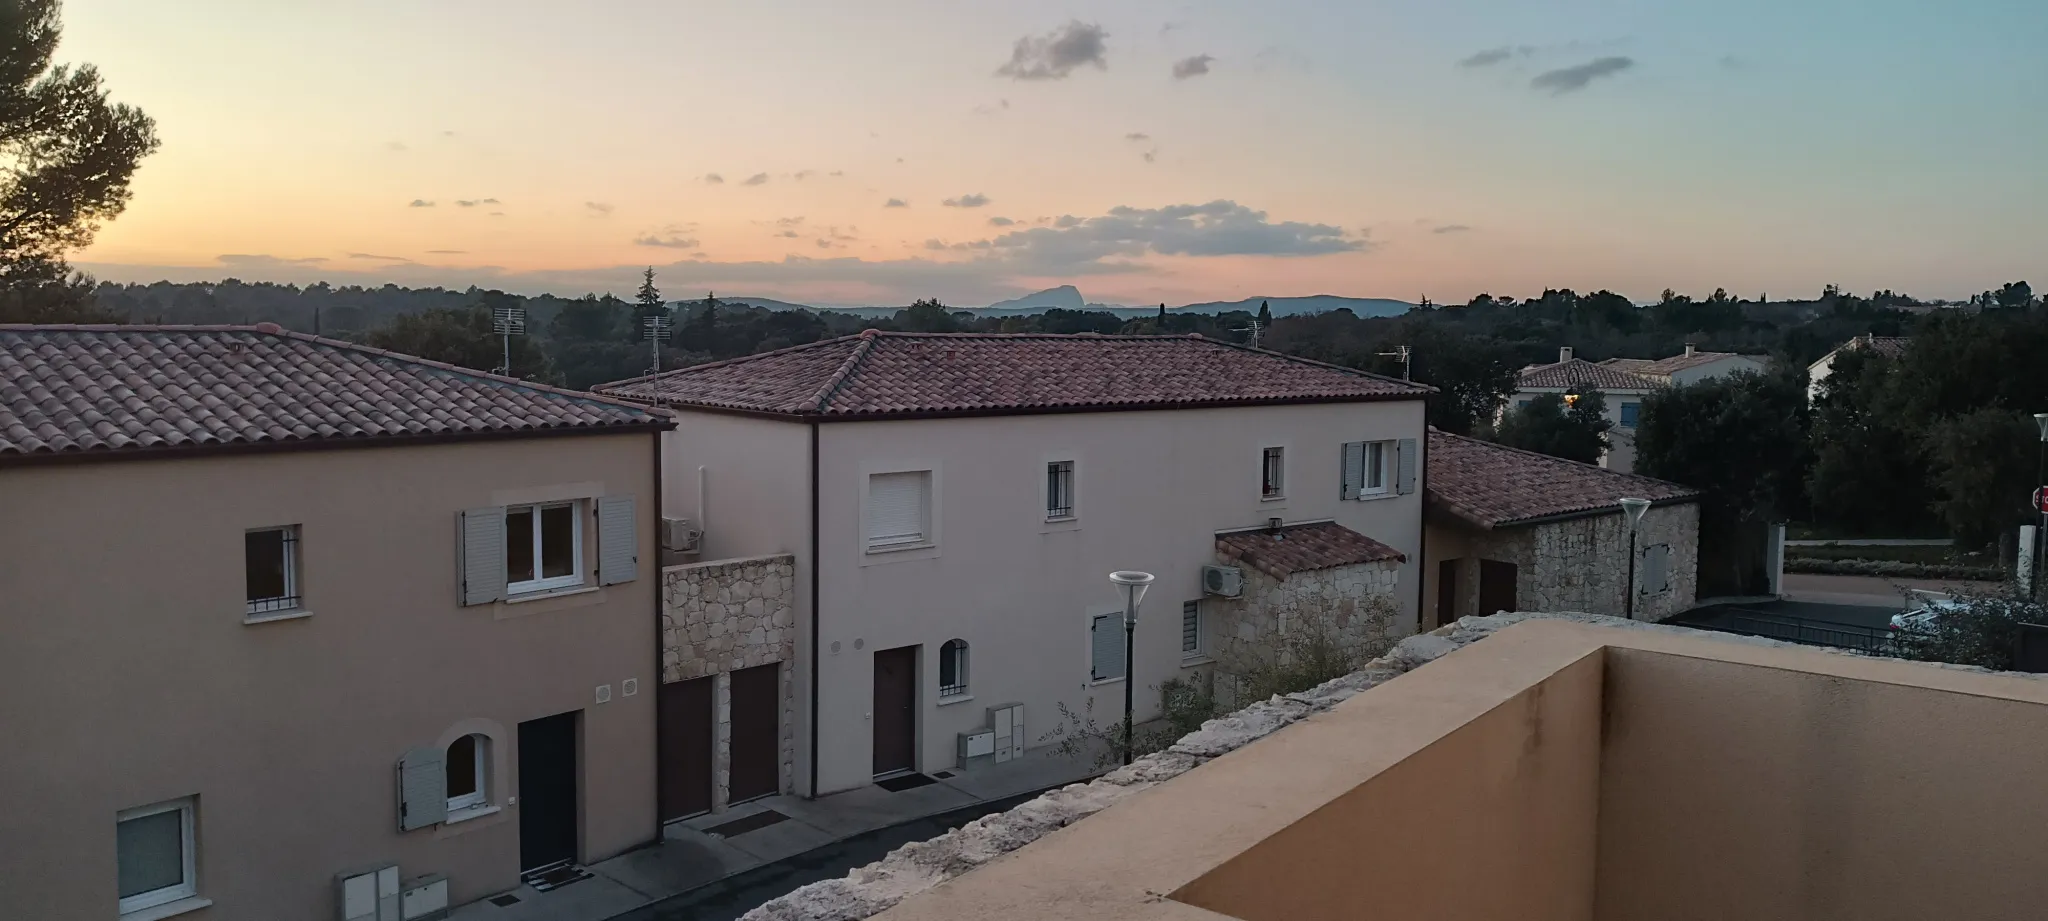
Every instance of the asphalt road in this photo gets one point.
(1861, 591)
(730, 898)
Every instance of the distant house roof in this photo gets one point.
(880, 374)
(143, 391)
(1491, 485)
(1663, 368)
(1578, 372)
(1302, 547)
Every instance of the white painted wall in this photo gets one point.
(1153, 488)
(1714, 369)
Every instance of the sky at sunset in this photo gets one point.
(877, 151)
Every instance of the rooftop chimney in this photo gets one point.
(1564, 353)
(1688, 349)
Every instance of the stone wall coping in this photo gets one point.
(732, 561)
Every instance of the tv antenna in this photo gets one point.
(1254, 327)
(1401, 352)
(655, 329)
(508, 321)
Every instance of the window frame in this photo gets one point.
(956, 651)
(922, 538)
(293, 599)
(1630, 414)
(576, 577)
(1273, 473)
(1389, 452)
(480, 751)
(1194, 609)
(1054, 511)
(188, 886)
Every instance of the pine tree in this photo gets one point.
(1265, 314)
(649, 296)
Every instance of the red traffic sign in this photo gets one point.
(2041, 498)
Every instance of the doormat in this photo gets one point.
(755, 822)
(505, 901)
(905, 782)
(549, 880)
(942, 775)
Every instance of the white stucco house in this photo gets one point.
(1624, 382)
(953, 504)
(1891, 347)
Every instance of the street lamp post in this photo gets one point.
(1133, 585)
(2040, 499)
(1632, 514)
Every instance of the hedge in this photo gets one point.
(1894, 569)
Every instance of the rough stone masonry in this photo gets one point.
(719, 617)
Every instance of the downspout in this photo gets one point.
(1422, 538)
(816, 643)
(659, 767)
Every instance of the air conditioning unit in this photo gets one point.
(1227, 581)
(680, 535)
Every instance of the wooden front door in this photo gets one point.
(895, 710)
(1496, 587)
(1446, 592)
(547, 792)
(684, 748)
(756, 732)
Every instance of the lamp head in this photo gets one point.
(1133, 583)
(1633, 509)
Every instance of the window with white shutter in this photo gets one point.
(1353, 474)
(1404, 466)
(618, 540)
(480, 571)
(1106, 647)
(898, 511)
(422, 789)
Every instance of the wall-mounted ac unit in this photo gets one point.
(680, 535)
(1227, 581)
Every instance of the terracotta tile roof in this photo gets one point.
(1578, 372)
(883, 374)
(144, 390)
(1492, 485)
(1888, 346)
(1302, 547)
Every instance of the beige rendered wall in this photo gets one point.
(1494, 821)
(128, 676)
(1153, 488)
(1745, 791)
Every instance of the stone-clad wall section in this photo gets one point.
(1581, 564)
(719, 617)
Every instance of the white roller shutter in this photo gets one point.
(618, 540)
(480, 536)
(896, 508)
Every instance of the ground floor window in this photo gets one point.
(465, 766)
(153, 854)
(953, 668)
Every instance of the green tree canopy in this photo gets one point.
(1548, 425)
(461, 336)
(1741, 441)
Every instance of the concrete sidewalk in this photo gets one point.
(690, 856)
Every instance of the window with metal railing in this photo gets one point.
(1273, 474)
(1059, 490)
(953, 668)
(271, 561)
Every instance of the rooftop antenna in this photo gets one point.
(655, 329)
(1254, 327)
(508, 321)
(1401, 352)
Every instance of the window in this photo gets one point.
(1106, 647)
(1375, 467)
(1523, 404)
(1273, 473)
(543, 547)
(1059, 490)
(897, 513)
(1190, 629)
(153, 855)
(465, 766)
(1629, 413)
(953, 668)
(271, 569)
(1379, 468)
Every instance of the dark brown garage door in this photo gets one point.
(685, 748)
(1496, 587)
(1447, 592)
(756, 732)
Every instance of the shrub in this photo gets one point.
(1981, 630)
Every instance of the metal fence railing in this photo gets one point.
(1874, 640)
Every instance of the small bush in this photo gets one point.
(1981, 631)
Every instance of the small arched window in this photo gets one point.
(953, 668)
(465, 762)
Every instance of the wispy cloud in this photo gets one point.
(895, 203)
(265, 260)
(1000, 222)
(1732, 62)
(975, 200)
(1150, 155)
(713, 179)
(1572, 79)
(790, 234)
(1056, 54)
(1281, 57)
(1191, 66)
(836, 173)
(1137, 136)
(447, 252)
(1488, 58)
(803, 174)
(1452, 228)
(666, 239)
(1218, 228)
(377, 257)
(789, 221)
(598, 207)
(756, 179)
(420, 203)
(473, 202)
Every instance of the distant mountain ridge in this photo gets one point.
(1068, 297)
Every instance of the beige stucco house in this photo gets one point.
(1624, 382)
(1513, 530)
(952, 506)
(282, 611)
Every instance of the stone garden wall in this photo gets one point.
(1581, 564)
(719, 617)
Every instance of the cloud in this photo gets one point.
(790, 234)
(473, 202)
(824, 243)
(789, 221)
(1137, 136)
(1056, 54)
(1218, 228)
(377, 257)
(420, 203)
(1489, 57)
(665, 239)
(1150, 155)
(998, 107)
(497, 214)
(395, 146)
(935, 243)
(895, 203)
(1191, 66)
(1000, 222)
(265, 260)
(598, 207)
(804, 174)
(1065, 221)
(836, 173)
(1572, 79)
(1452, 228)
(447, 134)
(713, 179)
(975, 200)
(756, 179)
(448, 252)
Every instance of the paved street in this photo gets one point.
(1862, 591)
